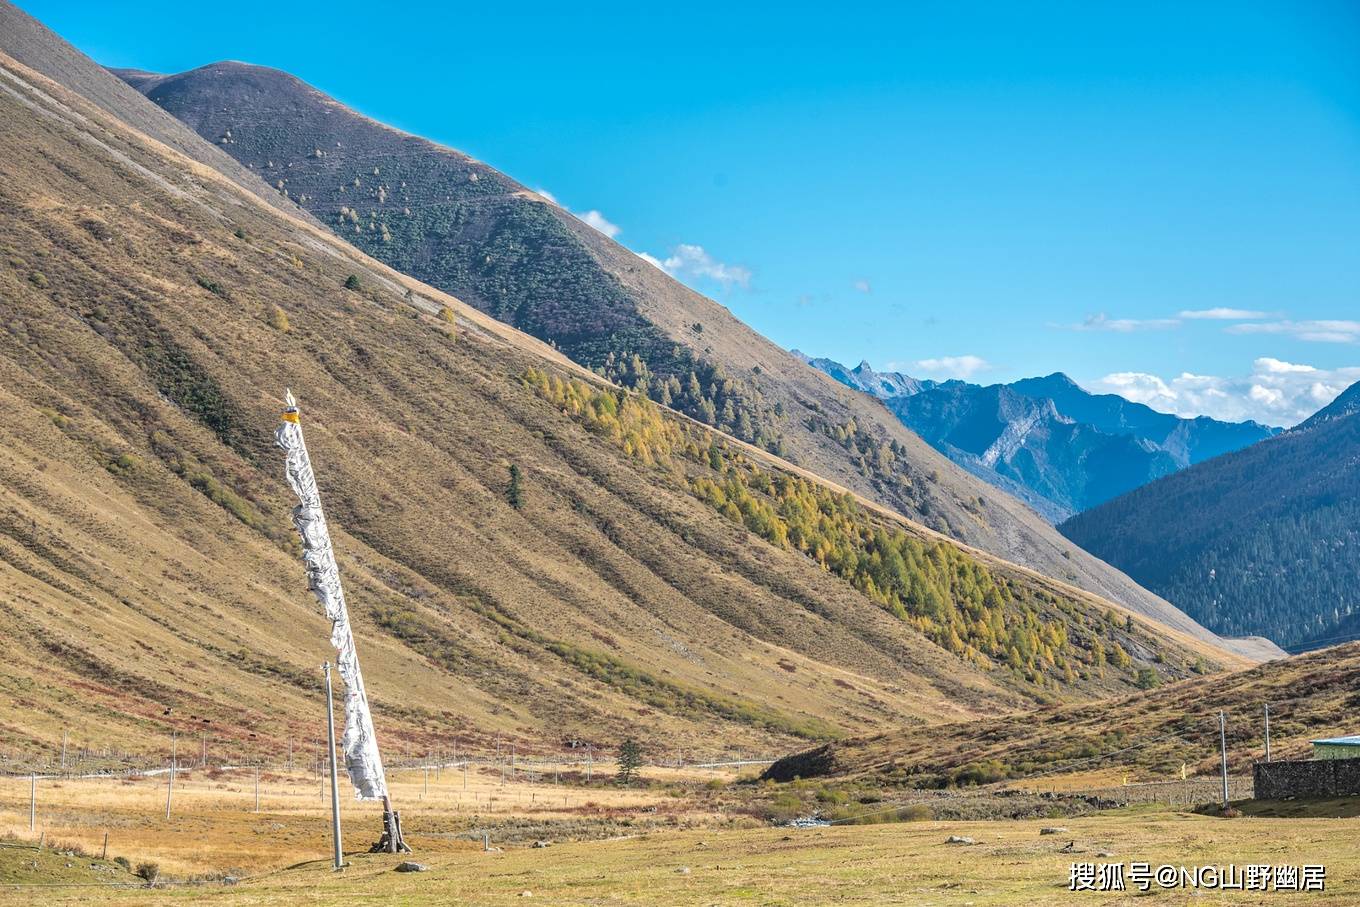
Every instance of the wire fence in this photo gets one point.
(1188, 793)
(109, 763)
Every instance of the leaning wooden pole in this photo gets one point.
(170, 785)
(1223, 746)
(335, 775)
(363, 762)
(1267, 732)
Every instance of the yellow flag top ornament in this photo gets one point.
(359, 742)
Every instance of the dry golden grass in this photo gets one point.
(215, 829)
(1010, 864)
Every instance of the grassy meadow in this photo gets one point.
(686, 836)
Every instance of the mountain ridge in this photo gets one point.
(204, 560)
(32, 44)
(1347, 403)
(158, 309)
(597, 301)
(1046, 440)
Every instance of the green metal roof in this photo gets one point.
(1339, 741)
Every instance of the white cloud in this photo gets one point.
(1275, 392)
(599, 222)
(954, 366)
(1103, 322)
(863, 286)
(686, 261)
(1325, 331)
(691, 261)
(1139, 387)
(1223, 314)
(1269, 397)
(591, 218)
(1279, 367)
(1318, 331)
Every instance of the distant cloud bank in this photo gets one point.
(1275, 393)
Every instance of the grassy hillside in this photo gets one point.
(154, 312)
(1261, 541)
(460, 225)
(990, 617)
(32, 44)
(1150, 734)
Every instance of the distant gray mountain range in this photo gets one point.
(1055, 446)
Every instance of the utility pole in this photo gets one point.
(170, 787)
(1267, 732)
(33, 802)
(257, 788)
(63, 750)
(1223, 746)
(204, 758)
(335, 780)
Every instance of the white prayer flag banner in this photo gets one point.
(359, 742)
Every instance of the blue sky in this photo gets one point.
(981, 190)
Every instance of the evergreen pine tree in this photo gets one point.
(514, 493)
(630, 758)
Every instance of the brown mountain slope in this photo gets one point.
(153, 311)
(1152, 733)
(460, 225)
(34, 45)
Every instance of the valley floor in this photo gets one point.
(666, 843)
